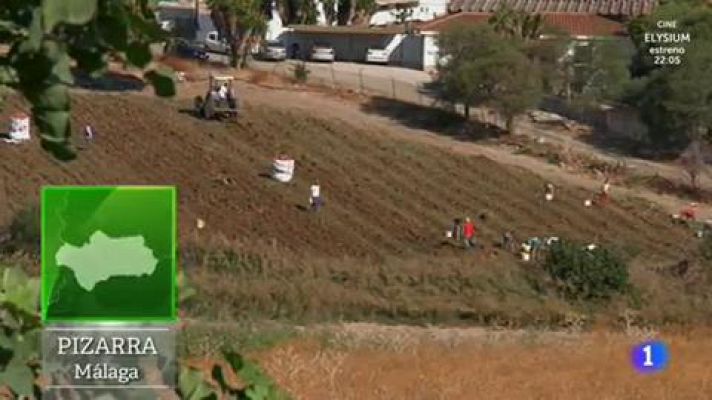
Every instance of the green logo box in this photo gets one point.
(109, 254)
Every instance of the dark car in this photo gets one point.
(186, 49)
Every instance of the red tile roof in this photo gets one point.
(573, 23)
(348, 29)
(631, 8)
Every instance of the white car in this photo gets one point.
(273, 50)
(323, 52)
(377, 56)
(213, 42)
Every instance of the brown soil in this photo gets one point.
(390, 192)
(383, 195)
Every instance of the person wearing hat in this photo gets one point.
(468, 232)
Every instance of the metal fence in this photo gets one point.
(360, 80)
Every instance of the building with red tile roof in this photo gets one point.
(609, 8)
(575, 24)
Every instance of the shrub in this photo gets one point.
(301, 72)
(706, 248)
(25, 230)
(583, 274)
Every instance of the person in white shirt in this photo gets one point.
(315, 197)
(222, 92)
(88, 133)
(549, 192)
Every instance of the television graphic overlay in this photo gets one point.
(108, 254)
(109, 290)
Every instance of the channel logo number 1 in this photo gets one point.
(650, 357)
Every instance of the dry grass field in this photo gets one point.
(531, 366)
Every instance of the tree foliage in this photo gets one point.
(485, 69)
(20, 330)
(519, 24)
(351, 12)
(603, 74)
(300, 11)
(676, 102)
(47, 39)
(238, 21)
(340, 12)
(691, 16)
(20, 367)
(694, 161)
(330, 11)
(583, 274)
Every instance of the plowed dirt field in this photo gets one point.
(384, 196)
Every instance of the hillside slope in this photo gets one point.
(383, 196)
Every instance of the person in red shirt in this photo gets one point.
(468, 232)
(689, 213)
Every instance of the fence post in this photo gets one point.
(360, 80)
(333, 77)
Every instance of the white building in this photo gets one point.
(183, 20)
(350, 43)
(389, 12)
(398, 11)
(414, 45)
(275, 27)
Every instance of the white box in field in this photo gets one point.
(19, 127)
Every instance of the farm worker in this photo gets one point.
(315, 197)
(508, 241)
(223, 91)
(215, 93)
(549, 192)
(88, 133)
(689, 213)
(468, 231)
(605, 191)
(533, 246)
(457, 229)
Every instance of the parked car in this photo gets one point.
(377, 56)
(186, 49)
(323, 52)
(213, 42)
(273, 50)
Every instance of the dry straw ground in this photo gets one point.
(530, 366)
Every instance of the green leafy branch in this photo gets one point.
(20, 331)
(47, 39)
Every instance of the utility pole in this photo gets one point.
(196, 15)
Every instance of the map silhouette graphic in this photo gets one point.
(93, 262)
